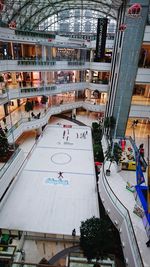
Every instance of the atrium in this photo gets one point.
(74, 87)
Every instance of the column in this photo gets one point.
(44, 77)
(49, 53)
(147, 91)
(43, 53)
(91, 55)
(124, 66)
(88, 94)
(22, 50)
(90, 76)
(12, 50)
(13, 76)
(6, 109)
(50, 77)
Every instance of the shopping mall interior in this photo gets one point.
(66, 66)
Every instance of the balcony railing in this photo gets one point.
(38, 89)
(36, 62)
(7, 164)
(76, 63)
(125, 214)
(35, 34)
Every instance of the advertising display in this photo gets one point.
(101, 39)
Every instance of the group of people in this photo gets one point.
(66, 134)
(82, 135)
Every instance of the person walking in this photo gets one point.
(141, 150)
(74, 232)
(4, 120)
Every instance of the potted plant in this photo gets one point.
(96, 132)
(6, 149)
(97, 147)
(117, 152)
(96, 238)
(109, 125)
(113, 154)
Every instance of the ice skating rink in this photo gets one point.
(42, 202)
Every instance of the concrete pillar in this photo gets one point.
(49, 53)
(90, 76)
(147, 91)
(88, 94)
(6, 109)
(77, 76)
(13, 76)
(73, 113)
(44, 77)
(22, 50)
(12, 50)
(54, 52)
(78, 55)
(43, 53)
(50, 77)
(91, 55)
(124, 66)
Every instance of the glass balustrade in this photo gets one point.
(35, 34)
(38, 89)
(125, 214)
(7, 164)
(36, 62)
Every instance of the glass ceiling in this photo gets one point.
(29, 14)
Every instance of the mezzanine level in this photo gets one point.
(140, 107)
(143, 74)
(41, 65)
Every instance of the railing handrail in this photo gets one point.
(7, 164)
(127, 212)
(52, 110)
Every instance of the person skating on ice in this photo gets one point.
(60, 175)
(64, 132)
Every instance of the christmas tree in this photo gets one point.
(4, 146)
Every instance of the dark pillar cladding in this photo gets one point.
(101, 39)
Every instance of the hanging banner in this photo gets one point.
(139, 173)
(101, 38)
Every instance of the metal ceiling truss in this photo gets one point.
(29, 14)
(93, 16)
(72, 20)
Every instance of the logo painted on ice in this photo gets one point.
(56, 181)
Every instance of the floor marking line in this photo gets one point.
(64, 148)
(57, 172)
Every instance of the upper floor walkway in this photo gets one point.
(29, 65)
(18, 121)
(140, 105)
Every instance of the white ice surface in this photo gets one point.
(38, 206)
